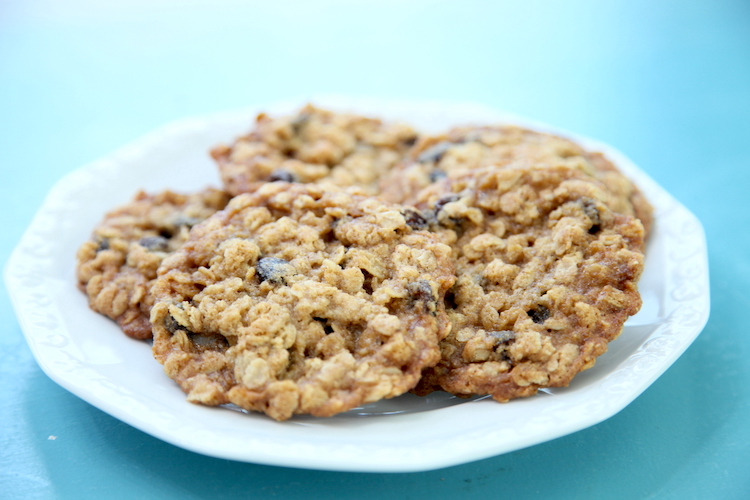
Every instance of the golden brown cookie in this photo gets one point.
(297, 299)
(547, 276)
(117, 265)
(465, 149)
(313, 145)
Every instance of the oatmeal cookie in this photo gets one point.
(314, 145)
(465, 149)
(300, 299)
(116, 267)
(547, 276)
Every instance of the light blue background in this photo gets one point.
(667, 82)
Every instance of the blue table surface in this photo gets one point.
(666, 82)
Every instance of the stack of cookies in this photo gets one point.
(346, 260)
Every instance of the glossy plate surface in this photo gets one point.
(86, 354)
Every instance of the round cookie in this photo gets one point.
(300, 299)
(314, 145)
(465, 149)
(547, 276)
(116, 267)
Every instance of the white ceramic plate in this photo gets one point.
(86, 353)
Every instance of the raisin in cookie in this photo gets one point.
(314, 145)
(465, 149)
(300, 299)
(547, 276)
(117, 265)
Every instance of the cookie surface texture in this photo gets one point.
(302, 300)
(117, 265)
(547, 276)
(466, 149)
(314, 145)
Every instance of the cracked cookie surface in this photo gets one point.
(299, 299)
(465, 149)
(547, 276)
(117, 265)
(314, 145)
